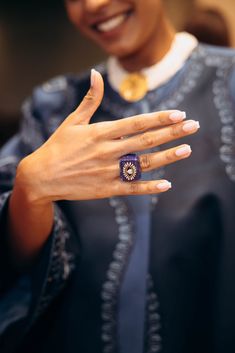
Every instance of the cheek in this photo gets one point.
(137, 32)
(74, 12)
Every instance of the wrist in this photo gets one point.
(29, 183)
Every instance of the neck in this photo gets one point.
(152, 51)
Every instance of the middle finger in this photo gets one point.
(157, 137)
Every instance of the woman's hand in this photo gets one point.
(81, 160)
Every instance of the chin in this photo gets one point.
(120, 51)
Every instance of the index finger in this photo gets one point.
(140, 123)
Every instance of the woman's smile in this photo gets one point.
(112, 24)
(124, 28)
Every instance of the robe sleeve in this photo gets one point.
(25, 296)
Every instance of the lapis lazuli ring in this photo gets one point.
(130, 169)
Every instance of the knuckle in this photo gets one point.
(162, 118)
(98, 192)
(102, 130)
(139, 124)
(113, 171)
(134, 188)
(169, 156)
(102, 154)
(89, 96)
(149, 188)
(105, 151)
(145, 162)
(95, 131)
(147, 140)
(175, 131)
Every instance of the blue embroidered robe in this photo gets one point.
(71, 300)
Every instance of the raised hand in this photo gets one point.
(81, 160)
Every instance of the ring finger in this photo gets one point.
(156, 160)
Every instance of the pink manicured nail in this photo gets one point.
(177, 116)
(93, 78)
(164, 185)
(183, 151)
(191, 125)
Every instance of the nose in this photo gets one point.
(95, 5)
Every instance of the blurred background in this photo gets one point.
(37, 42)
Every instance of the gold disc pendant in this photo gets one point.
(134, 87)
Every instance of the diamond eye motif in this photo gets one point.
(130, 169)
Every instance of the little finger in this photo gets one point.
(140, 187)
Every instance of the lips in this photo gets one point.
(112, 23)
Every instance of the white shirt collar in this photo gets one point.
(181, 48)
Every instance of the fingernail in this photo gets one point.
(164, 185)
(191, 125)
(177, 116)
(93, 78)
(182, 151)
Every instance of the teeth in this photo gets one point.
(111, 24)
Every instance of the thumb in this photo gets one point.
(90, 102)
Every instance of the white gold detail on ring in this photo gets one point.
(129, 171)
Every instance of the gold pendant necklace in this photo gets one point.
(134, 87)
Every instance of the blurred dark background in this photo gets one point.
(37, 42)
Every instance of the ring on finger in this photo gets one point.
(130, 169)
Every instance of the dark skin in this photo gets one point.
(80, 161)
(142, 38)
